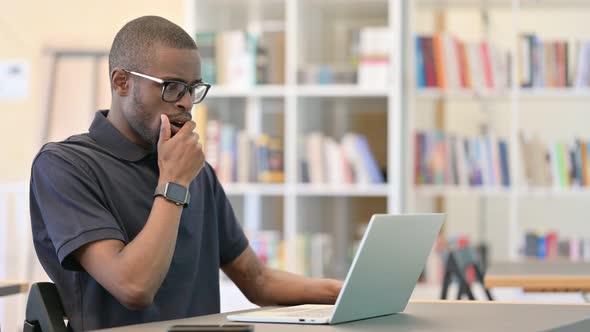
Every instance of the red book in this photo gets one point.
(429, 66)
(439, 60)
(487, 65)
(463, 67)
(551, 244)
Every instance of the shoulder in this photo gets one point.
(70, 152)
(207, 182)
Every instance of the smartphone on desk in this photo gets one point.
(211, 328)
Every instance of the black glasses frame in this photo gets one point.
(165, 84)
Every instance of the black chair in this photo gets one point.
(45, 312)
(458, 261)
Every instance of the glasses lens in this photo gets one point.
(198, 92)
(173, 92)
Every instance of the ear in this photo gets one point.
(120, 81)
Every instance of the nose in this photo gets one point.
(186, 102)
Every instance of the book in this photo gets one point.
(327, 161)
(238, 156)
(444, 61)
(556, 63)
(449, 159)
(206, 42)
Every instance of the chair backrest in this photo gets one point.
(45, 312)
(457, 265)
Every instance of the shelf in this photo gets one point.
(434, 93)
(348, 2)
(218, 91)
(555, 92)
(351, 90)
(369, 190)
(270, 189)
(525, 93)
(435, 190)
(278, 189)
(344, 90)
(556, 192)
(504, 4)
(464, 3)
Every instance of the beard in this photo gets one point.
(140, 124)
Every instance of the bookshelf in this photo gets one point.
(258, 91)
(316, 90)
(504, 214)
(322, 91)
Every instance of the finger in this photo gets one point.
(165, 132)
(187, 128)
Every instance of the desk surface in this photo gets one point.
(12, 287)
(540, 275)
(424, 316)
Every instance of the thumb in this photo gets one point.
(164, 128)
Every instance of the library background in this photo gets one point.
(323, 113)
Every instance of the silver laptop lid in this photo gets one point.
(387, 265)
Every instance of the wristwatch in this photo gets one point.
(174, 192)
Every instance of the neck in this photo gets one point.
(118, 120)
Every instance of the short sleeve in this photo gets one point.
(232, 240)
(71, 206)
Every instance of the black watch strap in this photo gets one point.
(174, 192)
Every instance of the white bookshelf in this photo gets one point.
(343, 90)
(434, 190)
(236, 189)
(515, 105)
(581, 193)
(296, 18)
(461, 94)
(400, 97)
(376, 190)
(217, 91)
(536, 93)
(486, 4)
(523, 93)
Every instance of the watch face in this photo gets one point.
(176, 192)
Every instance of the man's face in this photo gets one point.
(146, 105)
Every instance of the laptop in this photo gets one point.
(381, 279)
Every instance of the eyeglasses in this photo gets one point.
(172, 91)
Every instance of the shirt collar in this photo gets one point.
(107, 136)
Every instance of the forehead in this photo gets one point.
(176, 62)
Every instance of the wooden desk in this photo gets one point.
(12, 287)
(536, 276)
(423, 316)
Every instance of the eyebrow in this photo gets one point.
(177, 79)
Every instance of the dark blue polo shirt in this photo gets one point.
(98, 186)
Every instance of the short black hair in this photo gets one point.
(133, 45)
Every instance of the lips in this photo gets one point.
(177, 122)
(174, 128)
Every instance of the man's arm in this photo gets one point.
(133, 273)
(265, 286)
